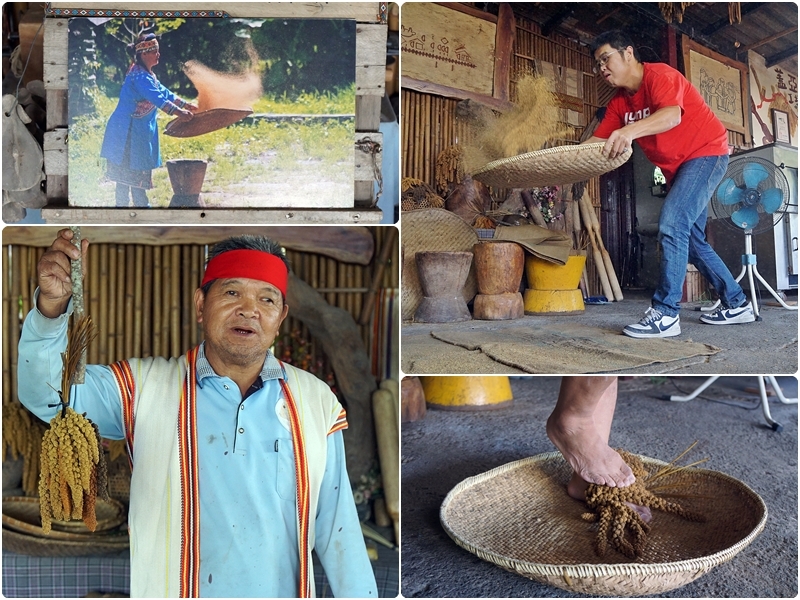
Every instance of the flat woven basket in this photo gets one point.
(561, 165)
(519, 516)
(23, 514)
(206, 121)
(106, 543)
(432, 230)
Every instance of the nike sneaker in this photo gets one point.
(654, 325)
(730, 316)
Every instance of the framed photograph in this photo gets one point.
(722, 82)
(780, 126)
(211, 112)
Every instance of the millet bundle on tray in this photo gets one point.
(619, 523)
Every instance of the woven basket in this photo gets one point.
(108, 543)
(23, 514)
(518, 516)
(561, 165)
(206, 121)
(432, 230)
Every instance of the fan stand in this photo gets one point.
(749, 268)
(764, 402)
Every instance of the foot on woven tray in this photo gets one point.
(576, 488)
(590, 457)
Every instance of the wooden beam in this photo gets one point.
(503, 51)
(346, 244)
(768, 39)
(771, 61)
(360, 11)
(719, 25)
(450, 92)
(245, 216)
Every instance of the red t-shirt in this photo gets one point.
(700, 132)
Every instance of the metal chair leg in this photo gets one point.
(765, 406)
(763, 392)
(697, 392)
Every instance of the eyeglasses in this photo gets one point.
(603, 60)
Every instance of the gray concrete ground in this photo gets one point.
(766, 346)
(446, 447)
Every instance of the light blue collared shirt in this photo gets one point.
(248, 523)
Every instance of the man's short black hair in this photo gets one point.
(617, 39)
(245, 242)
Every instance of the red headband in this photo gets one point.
(250, 264)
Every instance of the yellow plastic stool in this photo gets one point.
(467, 392)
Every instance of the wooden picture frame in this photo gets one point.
(370, 64)
(504, 27)
(780, 126)
(722, 82)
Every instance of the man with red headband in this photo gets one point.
(238, 464)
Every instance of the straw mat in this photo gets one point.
(432, 230)
(559, 347)
(206, 121)
(519, 516)
(553, 166)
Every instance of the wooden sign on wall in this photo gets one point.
(448, 47)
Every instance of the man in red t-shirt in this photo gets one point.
(658, 107)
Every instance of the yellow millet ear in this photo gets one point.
(72, 463)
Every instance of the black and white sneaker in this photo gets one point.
(730, 316)
(654, 325)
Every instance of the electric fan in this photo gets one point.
(753, 197)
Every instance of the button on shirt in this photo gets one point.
(248, 523)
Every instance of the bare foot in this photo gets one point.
(590, 457)
(576, 488)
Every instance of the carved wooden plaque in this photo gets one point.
(445, 46)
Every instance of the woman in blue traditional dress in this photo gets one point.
(130, 145)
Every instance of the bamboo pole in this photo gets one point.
(175, 302)
(377, 278)
(147, 302)
(7, 339)
(112, 297)
(186, 296)
(166, 289)
(119, 344)
(13, 321)
(138, 288)
(93, 275)
(102, 299)
(158, 299)
(130, 304)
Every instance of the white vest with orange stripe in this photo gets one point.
(158, 405)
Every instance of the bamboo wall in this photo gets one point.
(141, 298)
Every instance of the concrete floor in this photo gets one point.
(766, 346)
(446, 447)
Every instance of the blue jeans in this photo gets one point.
(681, 232)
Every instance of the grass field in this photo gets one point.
(306, 163)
